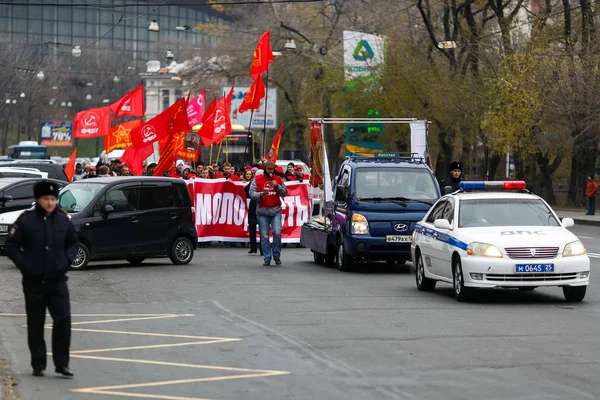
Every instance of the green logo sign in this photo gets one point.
(363, 51)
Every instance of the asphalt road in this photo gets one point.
(225, 327)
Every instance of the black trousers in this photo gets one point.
(252, 233)
(53, 296)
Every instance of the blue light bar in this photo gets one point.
(472, 185)
(493, 185)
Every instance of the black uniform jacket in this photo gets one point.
(42, 247)
(454, 182)
(252, 218)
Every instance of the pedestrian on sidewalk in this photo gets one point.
(268, 189)
(590, 192)
(43, 244)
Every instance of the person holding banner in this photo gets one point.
(268, 189)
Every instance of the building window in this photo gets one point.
(166, 99)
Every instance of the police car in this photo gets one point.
(495, 234)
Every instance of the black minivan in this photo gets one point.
(130, 218)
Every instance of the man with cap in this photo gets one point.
(79, 175)
(455, 176)
(43, 244)
(267, 189)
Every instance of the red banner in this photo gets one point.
(222, 210)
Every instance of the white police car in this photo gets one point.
(497, 235)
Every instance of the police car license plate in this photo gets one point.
(533, 268)
(3, 228)
(398, 239)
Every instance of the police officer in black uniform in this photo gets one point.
(43, 244)
(455, 176)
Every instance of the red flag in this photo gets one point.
(263, 55)
(119, 137)
(272, 154)
(172, 120)
(209, 111)
(168, 146)
(130, 105)
(91, 123)
(70, 167)
(217, 124)
(253, 97)
(134, 158)
(195, 109)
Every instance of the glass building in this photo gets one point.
(115, 24)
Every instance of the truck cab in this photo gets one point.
(377, 202)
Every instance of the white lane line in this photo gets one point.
(585, 237)
(593, 255)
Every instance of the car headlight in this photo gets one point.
(483, 250)
(575, 248)
(360, 225)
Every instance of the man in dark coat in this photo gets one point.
(43, 244)
(252, 221)
(455, 177)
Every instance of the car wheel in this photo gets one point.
(82, 258)
(318, 257)
(182, 251)
(135, 260)
(344, 262)
(424, 284)
(461, 293)
(574, 293)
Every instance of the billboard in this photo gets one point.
(56, 133)
(362, 53)
(258, 119)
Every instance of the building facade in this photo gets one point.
(114, 24)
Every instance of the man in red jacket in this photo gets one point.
(268, 189)
(590, 192)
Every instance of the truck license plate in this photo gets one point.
(3, 228)
(398, 239)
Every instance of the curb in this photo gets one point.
(586, 222)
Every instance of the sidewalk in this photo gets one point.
(579, 217)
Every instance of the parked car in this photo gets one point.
(131, 218)
(54, 170)
(21, 172)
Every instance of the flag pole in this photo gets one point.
(210, 157)
(264, 142)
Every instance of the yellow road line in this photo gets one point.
(153, 346)
(177, 382)
(140, 395)
(184, 365)
(151, 334)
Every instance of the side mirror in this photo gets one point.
(6, 198)
(448, 189)
(341, 193)
(568, 222)
(107, 209)
(442, 224)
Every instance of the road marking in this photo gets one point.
(115, 390)
(593, 255)
(585, 237)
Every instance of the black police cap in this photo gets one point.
(455, 165)
(45, 188)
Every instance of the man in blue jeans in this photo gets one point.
(268, 189)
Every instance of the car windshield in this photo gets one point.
(77, 196)
(504, 212)
(410, 183)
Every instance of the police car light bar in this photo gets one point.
(493, 185)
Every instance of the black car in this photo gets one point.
(55, 171)
(131, 218)
(17, 193)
